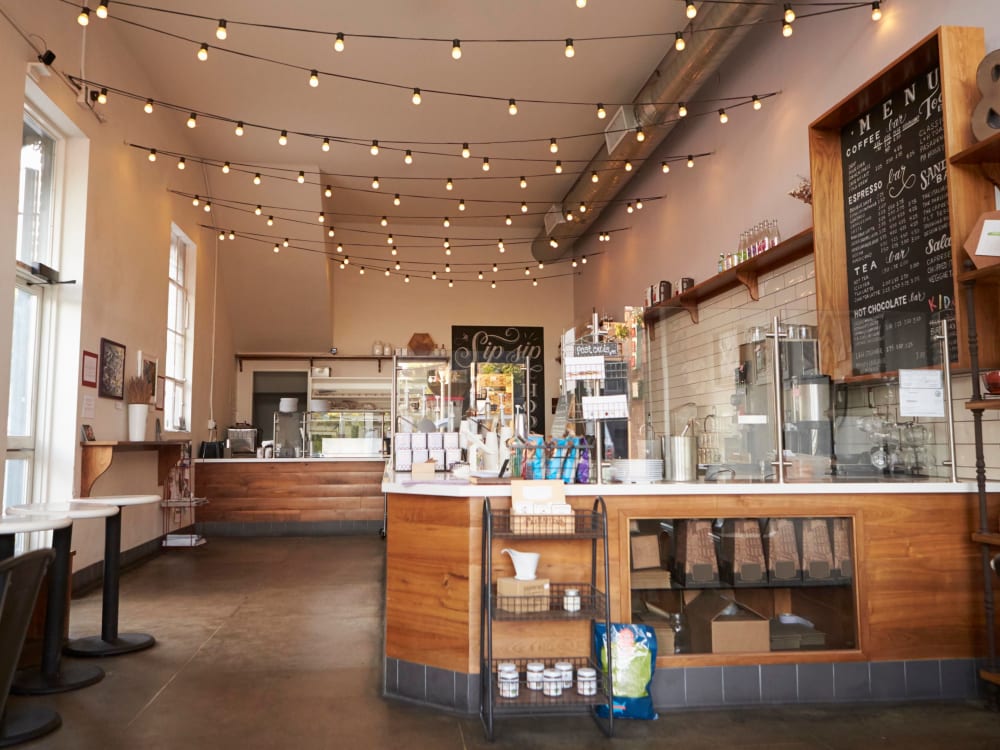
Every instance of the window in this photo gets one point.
(40, 150)
(177, 385)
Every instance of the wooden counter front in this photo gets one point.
(252, 491)
(917, 584)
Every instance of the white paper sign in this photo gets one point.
(989, 240)
(921, 393)
(88, 407)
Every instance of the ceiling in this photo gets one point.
(237, 83)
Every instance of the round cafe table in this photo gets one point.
(52, 676)
(110, 642)
(22, 723)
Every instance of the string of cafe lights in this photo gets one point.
(567, 44)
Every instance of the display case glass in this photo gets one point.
(346, 433)
(424, 396)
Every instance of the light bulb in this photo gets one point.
(152, 157)
(256, 178)
(270, 221)
(277, 249)
(84, 18)
(574, 263)
(493, 285)
(321, 218)
(570, 52)
(396, 200)
(682, 110)
(789, 13)
(207, 206)
(448, 251)
(583, 207)
(508, 221)
(447, 267)
(408, 157)
(374, 149)
(406, 278)
(465, 151)
(523, 183)
(569, 215)
(527, 271)
(558, 166)
(553, 146)
(450, 284)
(195, 201)
(583, 260)
(876, 11)
(691, 11)
(594, 177)
(226, 168)
(416, 98)
(638, 204)
(723, 117)
(449, 184)
(486, 164)
(148, 107)
(203, 52)
(340, 248)
(540, 265)
(446, 223)
(102, 9)
(285, 242)
(434, 275)
(786, 29)
(628, 207)
(232, 234)
(446, 244)
(757, 104)
(601, 112)
(314, 78)
(258, 210)
(665, 167)
(480, 275)
(102, 96)
(534, 282)
(553, 242)
(222, 236)
(387, 272)
(394, 252)
(220, 32)
(239, 128)
(512, 106)
(456, 50)
(283, 138)
(679, 43)
(338, 43)
(640, 134)
(524, 207)
(690, 162)
(192, 120)
(375, 183)
(495, 268)
(461, 204)
(581, 3)
(180, 163)
(361, 271)
(384, 221)
(500, 247)
(331, 232)
(326, 144)
(347, 258)
(628, 166)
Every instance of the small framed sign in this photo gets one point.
(111, 383)
(88, 370)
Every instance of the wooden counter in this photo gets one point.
(916, 589)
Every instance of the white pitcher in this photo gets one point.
(525, 563)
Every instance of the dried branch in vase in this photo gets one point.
(137, 390)
(804, 192)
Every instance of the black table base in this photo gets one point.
(95, 645)
(22, 723)
(33, 681)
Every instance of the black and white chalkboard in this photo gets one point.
(898, 234)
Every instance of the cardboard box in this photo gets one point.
(649, 578)
(537, 491)
(519, 597)
(543, 524)
(664, 630)
(423, 470)
(720, 625)
(645, 551)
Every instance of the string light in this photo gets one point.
(682, 110)
(493, 285)
(221, 32)
(102, 96)
(527, 271)
(574, 263)
(583, 207)
(270, 221)
(679, 43)
(570, 52)
(258, 210)
(394, 253)
(691, 11)
(465, 151)
(628, 166)
(583, 260)
(396, 200)
(408, 157)
(512, 107)
(553, 242)
(278, 249)
(434, 275)
(321, 218)
(328, 192)
(207, 206)
(558, 166)
(192, 120)
(384, 221)
(495, 268)
(239, 129)
(789, 13)
(638, 204)
(102, 9)
(375, 183)
(283, 138)
(226, 169)
(374, 149)
(325, 146)
(534, 282)
(628, 207)
(449, 184)
(640, 134)
(876, 11)
(540, 265)
(447, 267)
(446, 243)
(361, 271)
(757, 104)
(152, 157)
(387, 272)
(508, 221)
(338, 43)
(314, 78)
(446, 223)
(690, 161)
(285, 242)
(461, 204)
(581, 3)
(222, 236)
(181, 164)
(203, 52)
(601, 112)
(256, 179)
(486, 164)
(456, 49)
(406, 278)
(524, 182)
(723, 117)
(232, 234)
(84, 18)
(331, 232)
(524, 207)
(480, 275)
(569, 214)
(594, 177)
(786, 29)
(450, 283)
(195, 201)
(665, 167)
(500, 247)
(416, 98)
(148, 107)
(553, 146)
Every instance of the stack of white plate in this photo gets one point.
(638, 470)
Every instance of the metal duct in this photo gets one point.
(677, 78)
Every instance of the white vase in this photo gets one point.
(137, 421)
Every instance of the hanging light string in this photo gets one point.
(564, 42)
(732, 102)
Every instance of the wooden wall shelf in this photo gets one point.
(746, 273)
(985, 155)
(991, 539)
(96, 457)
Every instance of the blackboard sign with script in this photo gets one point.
(898, 234)
(498, 345)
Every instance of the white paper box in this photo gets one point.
(418, 440)
(404, 460)
(438, 455)
(435, 441)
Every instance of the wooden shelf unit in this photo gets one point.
(96, 457)
(746, 273)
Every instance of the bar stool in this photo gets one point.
(52, 676)
(110, 642)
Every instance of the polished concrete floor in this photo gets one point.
(276, 643)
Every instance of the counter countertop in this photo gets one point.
(301, 459)
(444, 485)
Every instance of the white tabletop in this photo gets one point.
(120, 500)
(19, 524)
(73, 510)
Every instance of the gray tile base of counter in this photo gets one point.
(287, 528)
(715, 687)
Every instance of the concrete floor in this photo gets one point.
(276, 643)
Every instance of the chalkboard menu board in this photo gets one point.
(898, 235)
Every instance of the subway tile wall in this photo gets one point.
(694, 364)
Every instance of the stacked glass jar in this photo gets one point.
(761, 238)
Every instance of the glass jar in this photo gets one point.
(586, 681)
(533, 675)
(552, 683)
(506, 666)
(565, 670)
(571, 600)
(508, 684)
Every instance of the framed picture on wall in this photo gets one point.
(147, 371)
(88, 370)
(111, 383)
(161, 382)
